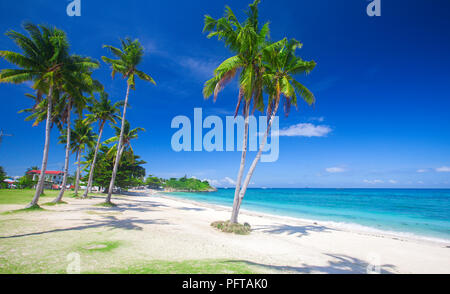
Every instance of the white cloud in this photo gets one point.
(334, 170)
(304, 130)
(225, 182)
(203, 68)
(230, 181)
(421, 170)
(444, 169)
(373, 182)
(393, 181)
(319, 119)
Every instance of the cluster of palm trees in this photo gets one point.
(63, 84)
(262, 67)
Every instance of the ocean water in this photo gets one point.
(422, 213)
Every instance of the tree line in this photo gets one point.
(64, 86)
(267, 73)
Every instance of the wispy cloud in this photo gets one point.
(319, 119)
(444, 169)
(393, 181)
(304, 130)
(200, 67)
(373, 182)
(335, 170)
(225, 182)
(421, 171)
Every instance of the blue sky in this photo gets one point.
(382, 86)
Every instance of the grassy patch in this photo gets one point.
(100, 246)
(33, 208)
(106, 204)
(189, 267)
(17, 196)
(54, 203)
(228, 227)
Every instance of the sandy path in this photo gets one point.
(156, 227)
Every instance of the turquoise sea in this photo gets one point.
(423, 213)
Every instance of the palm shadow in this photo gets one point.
(299, 231)
(107, 221)
(191, 209)
(338, 264)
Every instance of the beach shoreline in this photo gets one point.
(351, 227)
(152, 226)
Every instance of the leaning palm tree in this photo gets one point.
(45, 61)
(124, 134)
(246, 40)
(38, 112)
(82, 138)
(101, 112)
(281, 65)
(129, 57)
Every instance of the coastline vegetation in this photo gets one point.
(185, 184)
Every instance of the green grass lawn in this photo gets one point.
(16, 196)
(190, 267)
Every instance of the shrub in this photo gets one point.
(227, 227)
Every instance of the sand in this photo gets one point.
(159, 227)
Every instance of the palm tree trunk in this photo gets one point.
(66, 164)
(40, 185)
(91, 172)
(255, 162)
(119, 146)
(235, 211)
(77, 181)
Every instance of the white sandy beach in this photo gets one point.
(160, 227)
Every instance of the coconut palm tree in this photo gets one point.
(246, 40)
(281, 65)
(82, 137)
(129, 57)
(74, 97)
(45, 61)
(124, 135)
(101, 112)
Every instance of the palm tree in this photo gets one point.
(246, 40)
(46, 62)
(129, 57)
(74, 98)
(281, 65)
(100, 111)
(82, 137)
(124, 134)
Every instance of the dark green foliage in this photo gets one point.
(2, 178)
(130, 172)
(188, 185)
(153, 182)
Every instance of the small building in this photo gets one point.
(53, 179)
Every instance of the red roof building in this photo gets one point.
(51, 177)
(47, 172)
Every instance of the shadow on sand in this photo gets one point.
(299, 231)
(337, 264)
(112, 222)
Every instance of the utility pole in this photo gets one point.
(2, 134)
